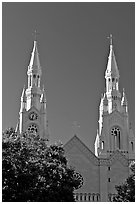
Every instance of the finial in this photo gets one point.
(124, 99)
(43, 88)
(123, 92)
(35, 35)
(75, 127)
(110, 37)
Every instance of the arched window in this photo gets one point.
(38, 81)
(115, 132)
(102, 145)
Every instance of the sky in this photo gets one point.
(73, 48)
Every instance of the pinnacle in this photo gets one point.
(124, 99)
(34, 64)
(23, 96)
(112, 68)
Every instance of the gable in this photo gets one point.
(84, 162)
(118, 156)
(80, 146)
(115, 118)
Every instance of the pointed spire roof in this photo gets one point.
(34, 61)
(97, 143)
(23, 96)
(105, 100)
(112, 68)
(43, 96)
(101, 101)
(124, 99)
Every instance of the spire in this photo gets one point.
(97, 144)
(43, 96)
(23, 96)
(112, 68)
(34, 64)
(101, 102)
(105, 101)
(124, 99)
(23, 101)
(34, 72)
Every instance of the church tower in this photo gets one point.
(33, 109)
(114, 132)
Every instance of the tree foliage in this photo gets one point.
(126, 191)
(33, 171)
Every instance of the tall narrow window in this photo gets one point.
(29, 80)
(38, 81)
(132, 147)
(115, 132)
(118, 140)
(102, 144)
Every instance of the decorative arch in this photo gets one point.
(116, 137)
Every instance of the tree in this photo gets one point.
(35, 172)
(126, 191)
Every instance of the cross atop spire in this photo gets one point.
(110, 37)
(76, 126)
(112, 68)
(35, 34)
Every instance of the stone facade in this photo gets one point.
(33, 109)
(114, 143)
(100, 175)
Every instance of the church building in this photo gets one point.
(33, 109)
(114, 143)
